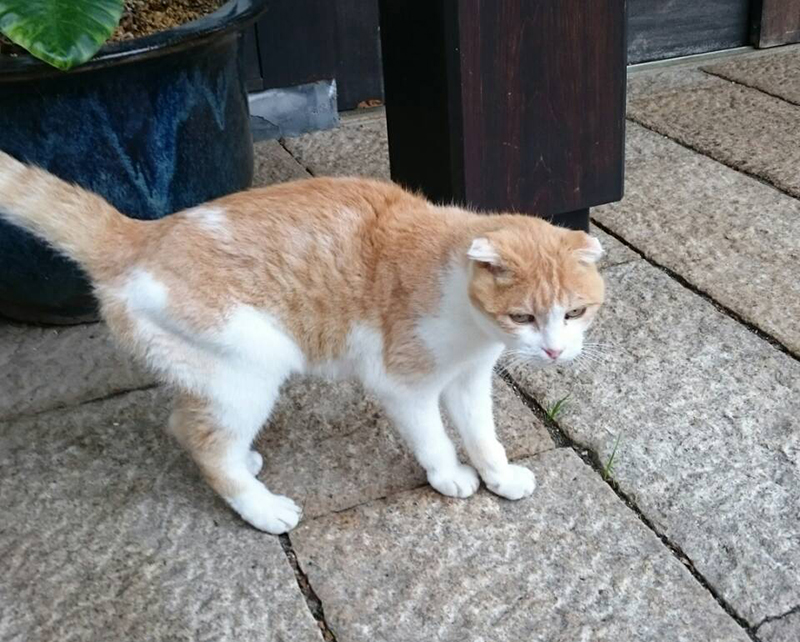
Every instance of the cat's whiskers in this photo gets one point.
(585, 362)
(518, 357)
(596, 350)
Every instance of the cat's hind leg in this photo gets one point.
(218, 435)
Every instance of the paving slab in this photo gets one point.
(739, 126)
(647, 82)
(785, 629)
(108, 534)
(44, 368)
(706, 414)
(730, 235)
(273, 164)
(777, 73)
(358, 147)
(572, 562)
(329, 446)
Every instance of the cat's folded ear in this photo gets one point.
(486, 256)
(587, 248)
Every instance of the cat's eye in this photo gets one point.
(522, 318)
(576, 313)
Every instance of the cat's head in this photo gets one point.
(536, 288)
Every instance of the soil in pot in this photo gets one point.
(144, 17)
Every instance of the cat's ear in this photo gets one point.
(483, 251)
(485, 255)
(587, 248)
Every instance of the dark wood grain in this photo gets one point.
(252, 62)
(422, 125)
(296, 41)
(358, 53)
(776, 22)
(659, 29)
(507, 104)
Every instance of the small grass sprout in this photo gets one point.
(555, 409)
(608, 468)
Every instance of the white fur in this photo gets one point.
(210, 219)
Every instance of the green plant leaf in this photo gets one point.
(553, 411)
(63, 33)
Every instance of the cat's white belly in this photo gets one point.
(362, 360)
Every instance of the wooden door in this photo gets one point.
(659, 29)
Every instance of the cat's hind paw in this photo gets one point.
(515, 482)
(461, 481)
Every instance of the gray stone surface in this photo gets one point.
(44, 368)
(614, 252)
(358, 147)
(707, 417)
(728, 234)
(739, 126)
(777, 73)
(273, 164)
(569, 563)
(107, 533)
(646, 82)
(330, 447)
(785, 629)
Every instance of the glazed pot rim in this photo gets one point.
(232, 16)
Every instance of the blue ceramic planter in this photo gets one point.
(154, 125)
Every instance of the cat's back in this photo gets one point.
(328, 204)
(306, 245)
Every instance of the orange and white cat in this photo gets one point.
(340, 277)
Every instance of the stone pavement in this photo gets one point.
(690, 532)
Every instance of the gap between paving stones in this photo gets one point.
(84, 402)
(744, 84)
(312, 599)
(306, 169)
(696, 150)
(761, 334)
(774, 618)
(592, 459)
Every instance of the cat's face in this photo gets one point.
(537, 289)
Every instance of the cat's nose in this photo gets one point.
(553, 354)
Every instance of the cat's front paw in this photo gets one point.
(461, 481)
(515, 482)
(274, 514)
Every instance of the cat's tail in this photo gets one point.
(76, 222)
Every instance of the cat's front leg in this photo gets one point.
(468, 400)
(418, 419)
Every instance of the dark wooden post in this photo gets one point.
(514, 105)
